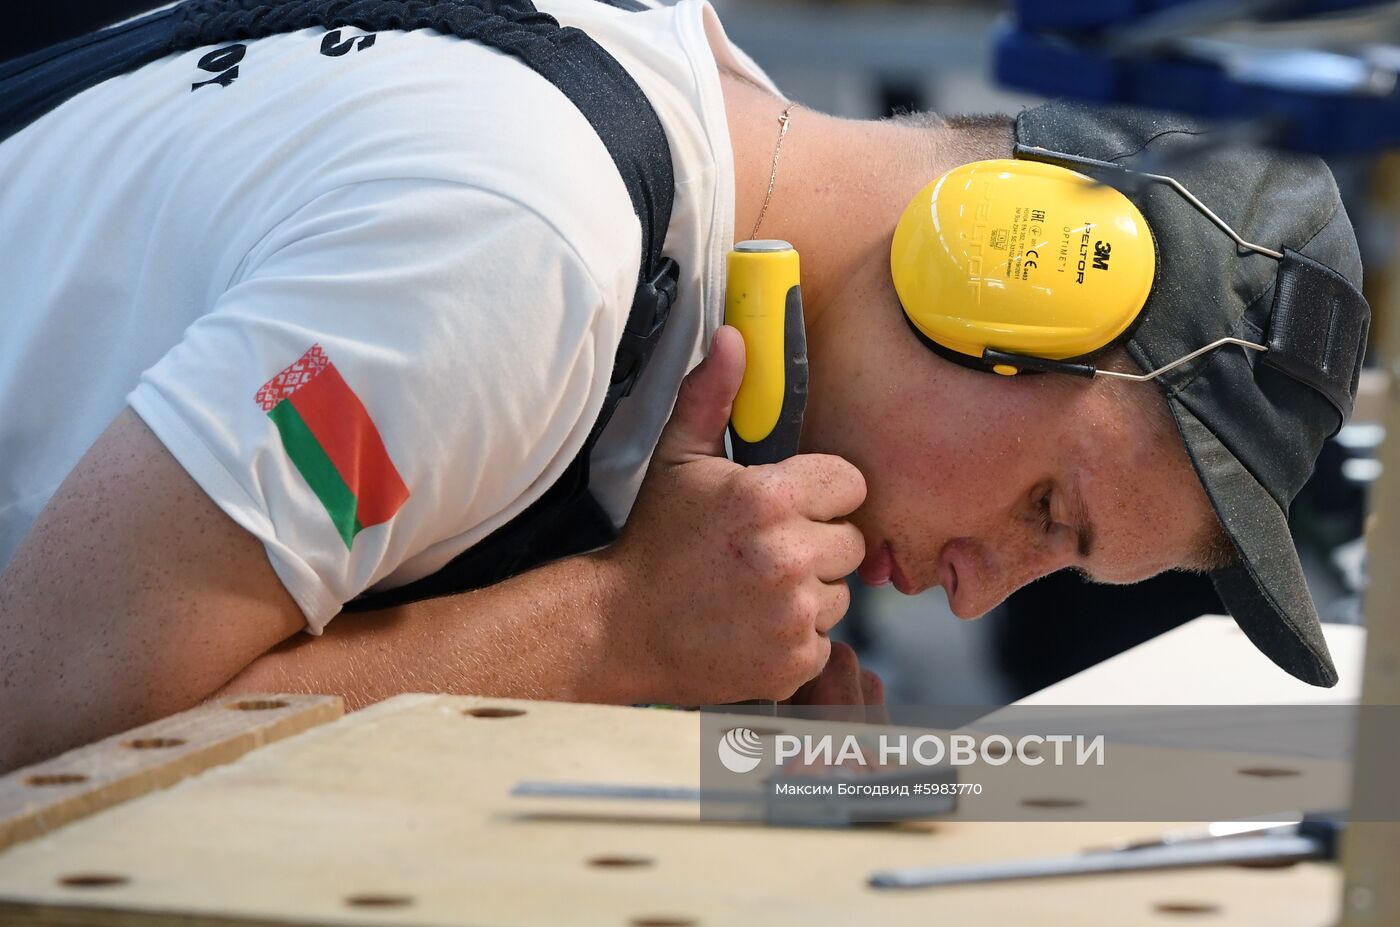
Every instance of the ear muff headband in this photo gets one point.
(1021, 257)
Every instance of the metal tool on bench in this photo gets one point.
(1264, 843)
(771, 806)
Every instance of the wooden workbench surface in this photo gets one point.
(401, 814)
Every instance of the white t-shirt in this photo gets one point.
(366, 289)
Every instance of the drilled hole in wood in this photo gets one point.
(490, 712)
(1194, 908)
(379, 901)
(92, 880)
(55, 779)
(664, 922)
(155, 743)
(1269, 772)
(620, 862)
(257, 704)
(1051, 802)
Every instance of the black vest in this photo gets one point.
(566, 519)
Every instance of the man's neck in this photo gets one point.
(841, 184)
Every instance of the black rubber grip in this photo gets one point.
(782, 442)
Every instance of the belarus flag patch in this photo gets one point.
(333, 443)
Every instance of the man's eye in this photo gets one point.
(1046, 522)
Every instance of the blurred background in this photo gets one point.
(870, 58)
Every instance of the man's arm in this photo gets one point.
(132, 596)
(542, 634)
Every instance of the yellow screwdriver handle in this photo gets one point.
(764, 302)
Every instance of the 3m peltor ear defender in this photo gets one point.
(1028, 264)
(1021, 257)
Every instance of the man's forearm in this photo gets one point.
(549, 633)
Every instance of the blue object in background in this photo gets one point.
(1091, 15)
(1313, 101)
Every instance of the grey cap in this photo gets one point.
(1253, 423)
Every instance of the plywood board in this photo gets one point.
(401, 814)
(38, 798)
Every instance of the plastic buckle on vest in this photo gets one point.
(651, 307)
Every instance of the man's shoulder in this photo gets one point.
(447, 110)
(431, 108)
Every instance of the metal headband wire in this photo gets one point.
(1152, 375)
(1035, 153)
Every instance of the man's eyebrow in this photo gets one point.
(1079, 519)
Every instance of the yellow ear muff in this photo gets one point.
(1022, 257)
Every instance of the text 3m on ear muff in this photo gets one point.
(1021, 257)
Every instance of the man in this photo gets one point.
(434, 239)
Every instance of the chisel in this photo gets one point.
(764, 302)
(1314, 837)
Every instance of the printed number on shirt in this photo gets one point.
(333, 47)
(223, 62)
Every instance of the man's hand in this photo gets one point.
(849, 691)
(733, 575)
(843, 681)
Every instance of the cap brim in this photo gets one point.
(1265, 591)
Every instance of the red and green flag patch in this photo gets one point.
(333, 443)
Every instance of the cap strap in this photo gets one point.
(1317, 329)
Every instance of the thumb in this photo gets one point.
(706, 398)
